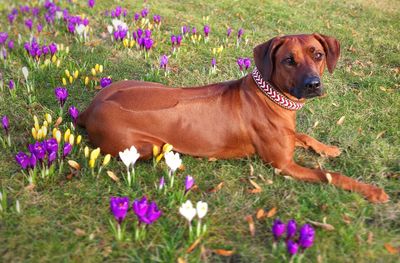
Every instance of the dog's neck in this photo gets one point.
(273, 94)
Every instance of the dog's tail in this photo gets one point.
(82, 118)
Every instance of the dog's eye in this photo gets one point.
(290, 61)
(318, 56)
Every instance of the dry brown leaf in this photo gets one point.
(380, 135)
(255, 184)
(217, 188)
(223, 252)
(391, 249)
(252, 227)
(328, 177)
(74, 165)
(193, 246)
(251, 170)
(325, 226)
(212, 159)
(269, 181)
(272, 212)
(335, 104)
(182, 167)
(30, 187)
(260, 213)
(58, 122)
(277, 171)
(370, 238)
(79, 232)
(346, 219)
(341, 120)
(181, 260)
(113, 176)
(254, 191)
(316, 124)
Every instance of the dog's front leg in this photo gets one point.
(305, 141)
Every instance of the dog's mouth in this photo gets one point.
(304, 93)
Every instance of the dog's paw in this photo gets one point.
(331, 151)
(376, 195)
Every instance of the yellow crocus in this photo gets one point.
(86, 81)
(93, 72)
(39, 134)
(45, 124)
(156, 150)
(76, 74)
(86, 152)
(66, 135)
(101, 68)
(95, 153)
(91, 163)
(71, 79)
(34, 133)
(58, 136)
(106, 160)
(54, 132)
(97, 67)
(167, 148)
(71, 139)
(48, 118)
(78, 139)
(64, 81)
(54, 58)
(159, 157)
(67, 73)
(132, 43)
(44, 131)
(125, 42)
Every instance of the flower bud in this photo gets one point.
(58, 136)
(107, 159)
(86, 152)
(34, 133)
(156, 150)
(86, 81)
(66, 135)
(78, 139)
(95, 153)
(93, 72)
(64, 81)
(71, 139)
(48, 118)
(76, 74)
(67, 73)
(91, 163)
(101, 68)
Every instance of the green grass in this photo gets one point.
(368, 32)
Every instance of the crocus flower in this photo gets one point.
(10, 44)
(189, 182)
(3, 37)
(229, 32)
(39, 27)
(173, 40)
(67, 149)
(247, 63)
(157, 19)
(91, 3)
(38, 149)
(73, 112)
(5, 123)
(147, 33)
(136, 16)
(188, 211)
(173, 161)
(61, 95)
(51, 157)
(144, 12)
(163, 61)
(11, 18)
(291, 228)
(148, 43)
(51, 145)
(292, 247)
(240, 63)
(206, 30)
(146, 213)
(240, 33)
(185, 30)
(307, 234)
(161, 183)
(194, 30)
(29, 23)
(104, 82)
(278, 228)
(119, 207)
(53, 48)
(213, 62)
(129, 156)
(11, 84)
(179, 40)
(201, 208)
(23, 160)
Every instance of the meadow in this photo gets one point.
(64, 215)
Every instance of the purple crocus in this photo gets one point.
(157, 19)
(240, 63)
(136, 16)
(240, 33)
(147, 33)
(67, 149)
(39, 27)
(206, 30)
(104, 82)
(45, 50)
(161, 183)
(3, 37)
(189, 182)
(61, 95)
(292, 247)
(73, 112)
(11, 84)
(307, 234)
(11, 18)
(38, 149)
(291, 229)
(194, 30)
(247, 63)
(91, 3)
(51, 157)
(146, 213)
(23, 160)
(278, 228)
(173, 40)
(185, 30)
(139, 32)
(163, 61)
(213, 62)
(5, 123)
(119, 207)
(179, 40)
(51, 145)
(148, 43)
(29, 23)
(53, 48)
(144, 12)
(228, 32)
(10, 44)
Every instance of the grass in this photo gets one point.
(364, 88)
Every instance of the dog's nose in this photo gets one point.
(312, 83)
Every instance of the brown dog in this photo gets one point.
(231, 119)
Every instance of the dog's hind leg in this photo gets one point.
(305, 141)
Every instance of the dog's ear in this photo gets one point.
(264, 57)
(331, 48)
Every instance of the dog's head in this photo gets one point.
(294, 64)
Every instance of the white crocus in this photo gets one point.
(201, 208)
(128, 157)
(173, 161)
(119, 24)
(79, 29)
(188, 211)
(25, 72)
